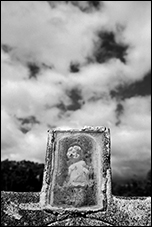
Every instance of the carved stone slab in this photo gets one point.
(77, 171)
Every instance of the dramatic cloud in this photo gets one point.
(70, 64)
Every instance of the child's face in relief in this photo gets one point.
(74, 154)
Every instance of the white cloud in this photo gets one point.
(56, 36)
(99, 79)
(63, 34)
(42, 34)
(137, 113)
(134, 16)
(94, 113)
(8, 126)
(131, 141)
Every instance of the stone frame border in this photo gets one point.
(105, 189)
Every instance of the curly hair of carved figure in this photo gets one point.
(74, 152)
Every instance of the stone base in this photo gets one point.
(24, 209)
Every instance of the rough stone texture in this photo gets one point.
(88, 149)
(92, 166)
(23, 209)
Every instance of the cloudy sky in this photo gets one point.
(71, 64)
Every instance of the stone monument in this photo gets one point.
(76, 188)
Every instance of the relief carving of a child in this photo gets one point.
(78, 171)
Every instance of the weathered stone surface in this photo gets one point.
(77, 169)
(23, 209)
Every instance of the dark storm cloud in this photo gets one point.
(107, 48)
(74, 67)
(27, 123)
(76, 101)
(6, 48)
(119, 111)
(88, 6)
(84, 6)
(139, 88)
(134, 165)
(34, 70)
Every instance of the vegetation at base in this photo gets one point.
(26, 176)
(23, 176)
(133, 187)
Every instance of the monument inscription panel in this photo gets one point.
(75, 176)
